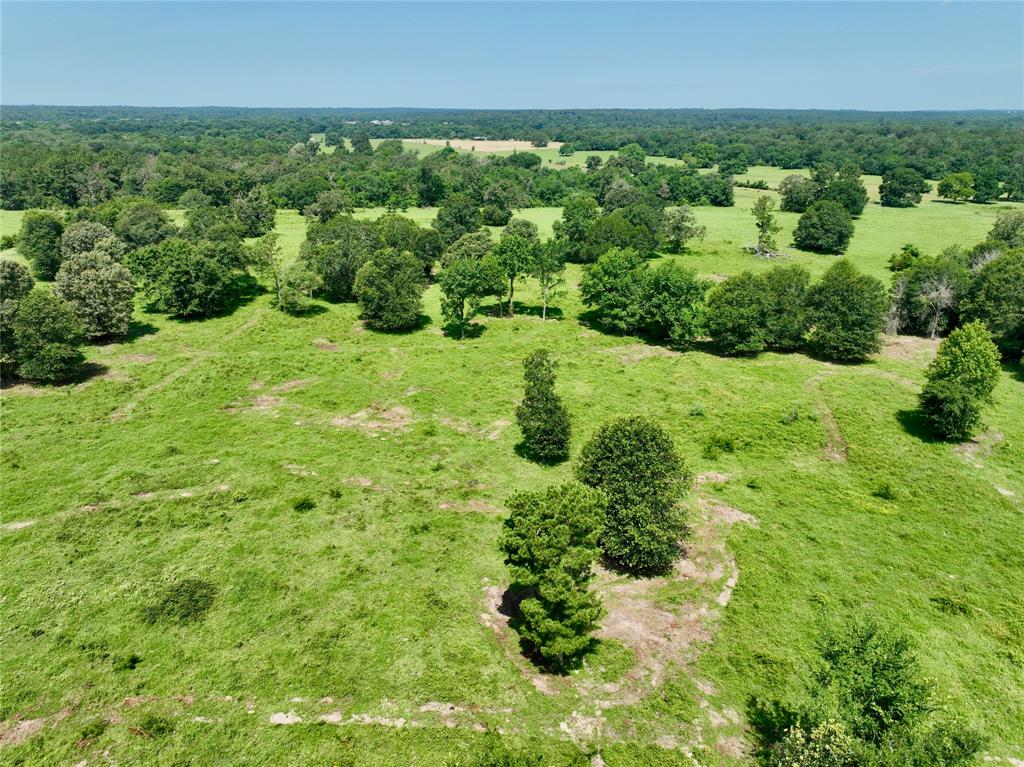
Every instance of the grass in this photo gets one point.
(260, 515)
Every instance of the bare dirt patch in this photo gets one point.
(377, 419)
(21, 524)
(632, 353)
(711, 478)
(292, 385)
(15, 732)
(909, 348)
(141, 359)
(265, 404)
(979, 447)
(23, 390)
(481, 145)
(324, 345)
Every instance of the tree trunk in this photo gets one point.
(511, 292)
(544, 303)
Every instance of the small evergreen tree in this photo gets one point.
(960, 381)
(389, 288)
(541, 415)
(550, 541)
(47, 336)
(634, 461)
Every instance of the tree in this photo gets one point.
(956, 186)
(549, 269)
(516, 252)
(738, 312)
(101, 293)
(541, 416)
(845, 313)
(292, 284)
(616, 286)
(798, 192)
(389, 288)
(47, 336)
(848, 192)
(634, 461)
(986, 185)
(255, 211)
(83, 236)
(902, 188)
(329, 204)
(679, 226)
(15, 280)
(143, 223)
(579, 214)
(825, 227)
(335, 250)
(1009, 229)
(673, 303)
(787, 297)
(635, 227)
(39, 242)
(465, 282)
(930, 290)
(960, 381)
(997, 298)
(767, 225)
(458, 215)
(474, 246)
(188, 284)
(550, 541)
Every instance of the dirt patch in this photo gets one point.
(15, 732)
(909, 348)
(358, 327)
(721, 512)
(977, 448)
(711, 478)
(377, 419)
(23, 390)
(281, 718)
(298, 471)
(633, 353)
(497, 428)
(21, 524)
(288, 386)
(324, 345)
(141, 359)
(265, 404)
(1003, 491)
(481, 145)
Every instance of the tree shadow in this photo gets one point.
(137, 330)
(86, 372)
(769, 721)
(613, 565)
(422, 321)
(523, 451)
(309, 310)
(470, 331)
(511, 599)
(530, 310)
(916, 425)
(1016, 369)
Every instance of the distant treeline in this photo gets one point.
(71, 156)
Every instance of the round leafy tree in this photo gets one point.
(825, 227)
(902, 188)
(15, 280)
(550, 541)
(633, 459)
(798, 193)
(848, 192)
(47, 335)
(39, 242)
(846, 314)
(101, 292)
(673, 303)
(738, 314)
(787, 296)
(997, 299)
(83, 236)
(389, 288)
(960, 381)
(615, 285)
(189, 284)
(541, 415)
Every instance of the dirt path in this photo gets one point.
(834, 449)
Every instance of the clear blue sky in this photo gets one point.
(850, 55)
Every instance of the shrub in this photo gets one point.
(189, 284)
(389, 288)
(101, 293)
(8, 349)
(550, 541)
(541, 416)
(185, 601)
(825, 227)
(616, 285)
(255, 212)
(926, 294)
(634, 461)
(997, 299)
(82, 237)
(673, 303)
(493, 215)
(787, 296)
(960, 380)
(336, 249)
(39, 242)
(8, 241)
(47, 335)
(474, 246)
(328, 204)
(298, 283)
(1009, 229)
(143, 223)
(826, 745)
(845, 313)
(848, 192)
(738, 314)
(15, 280)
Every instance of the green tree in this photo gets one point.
(292, 284)
(960, 381)
(956, 186)
(255, 212)
(579, 214)
(634, 461)
(846, 313)
(473, 246)
(827, 744)
(616, 285)
(1009, 229)
(997, 298)
(550, 542)
(329, 204)
(798, 192)
(188, 284)
(672, 307)
(549, 269)
(39, 242)
(787, 297)
(516, 252)
(848, 192)
(465, 282)
(825, 227)
(986, 185)
(738, 311)
(389, 288)
(15, 280)
(541, 416)
(902, 188)
(82, 237)
(143, 223)
(679, 226)
(458, 215)
(47, 337)
(100, 291)
(336, 249)
(766, 223)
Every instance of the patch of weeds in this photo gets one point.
(303, 504)
(184, 602)
(126, 662)
(791, 417)
(10, 458)
(419, 528)
(172, 450)
(754, 483)
(716, 444)
(92, 730)
(430, 430)
(951, 605)
(156, 726)
(885, 491)
(437, 467)
(610, 660)
(697, 410)
(335, 493)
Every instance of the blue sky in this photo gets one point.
(850, 55)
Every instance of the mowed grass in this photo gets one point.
(342, 491)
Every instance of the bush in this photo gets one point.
(458, 215)
(83, 236)
(541, 416)
(335, 250)
(787, 297)
(1009, 229)
(673, 303)
(825, 227)
(798, 193)
(845, 314)
(186, 601)
(902, 188)
(15, 280)
(8, 241)
(738, 314)
(616, 286)
(47, 336)
(493, 215)
(825, 745)
(101, 292)
(997, 299)
(39, 242)
(550, 541)
(848, 192)
(189, 284)
(634, 461)
(474, 246)
(143, 223)
(960, 380)
(926, 294)
(389, 288)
